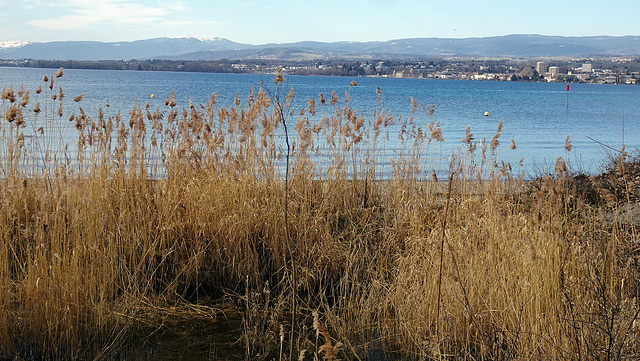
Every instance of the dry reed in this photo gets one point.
(163, 210)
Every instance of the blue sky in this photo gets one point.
(259, 22)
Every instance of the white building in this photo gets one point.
(553, 70)
(587, 68)
(541, 67)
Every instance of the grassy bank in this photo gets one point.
(303, 227)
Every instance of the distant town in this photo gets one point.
(587, 70)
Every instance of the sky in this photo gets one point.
(283, 21)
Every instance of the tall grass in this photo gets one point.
(358, 253)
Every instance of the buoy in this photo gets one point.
(486, 114)
(153, 95)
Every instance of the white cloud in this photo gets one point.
(82, 14)
(68, 22)
(37, 4)
(189, 22)
(174, 5)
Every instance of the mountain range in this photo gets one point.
(197, 48)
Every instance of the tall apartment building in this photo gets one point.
(541, 67)
(587, 68)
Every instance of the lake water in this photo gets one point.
(537, 116)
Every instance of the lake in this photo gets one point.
(538, 116)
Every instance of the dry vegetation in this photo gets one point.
(323, 243)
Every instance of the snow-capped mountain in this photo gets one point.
(213, 48)
(13, 44)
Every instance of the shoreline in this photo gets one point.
(291, 68)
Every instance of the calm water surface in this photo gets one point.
(535, 114)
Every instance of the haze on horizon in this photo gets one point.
(282, 21)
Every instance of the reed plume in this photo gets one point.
(567, 144)
(495, 140)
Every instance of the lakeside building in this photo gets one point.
(541, 67)
(587, 68)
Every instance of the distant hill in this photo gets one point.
(194, 48)
(126, 50)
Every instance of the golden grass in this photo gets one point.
(171, 208)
